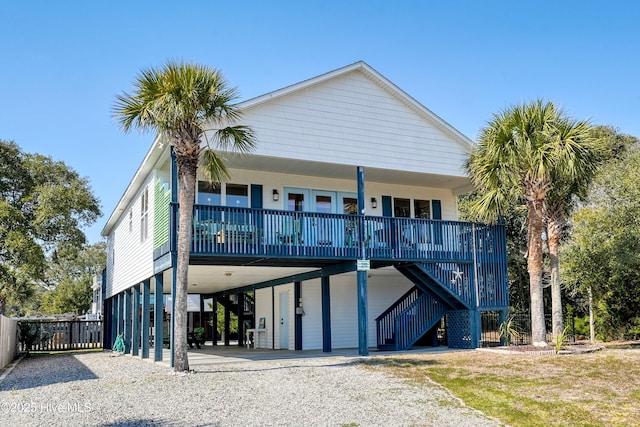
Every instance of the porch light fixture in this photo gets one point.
(276, 195)
(374, 203)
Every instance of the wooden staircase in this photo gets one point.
(417, 311)
(399, 329)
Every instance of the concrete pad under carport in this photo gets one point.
(211, 355)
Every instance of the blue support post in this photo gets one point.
(174, 279)
(127, 321)
(297, 297)
(326, 314)
(106, 323)
(146, 312)
(273, 316)
(363, 318)
(135, 320)
(107, 313)
(474, 314)
(114, 320)
(503, 316)
(158, 317)
(476, 328)
(120, 329)
(174, 253)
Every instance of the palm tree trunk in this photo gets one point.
(534, 263)
(554, 229)
(187, 168)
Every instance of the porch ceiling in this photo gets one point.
(343, 171)
(208, 279)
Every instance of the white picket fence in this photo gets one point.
(8, 340)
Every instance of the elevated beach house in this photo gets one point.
(339, 231)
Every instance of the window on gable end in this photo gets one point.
(144, 215)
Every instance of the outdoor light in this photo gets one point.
(276, 195)
(374, 203)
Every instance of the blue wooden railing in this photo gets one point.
(408, 319)
(229, 231)
(417, 319)
(385, 323)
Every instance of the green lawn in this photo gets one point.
(595, 389)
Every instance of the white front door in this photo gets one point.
(284, 320)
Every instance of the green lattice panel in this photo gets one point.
(162, 200)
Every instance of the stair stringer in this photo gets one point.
(425, 280)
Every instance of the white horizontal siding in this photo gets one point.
(110, 259)
(311, 294)
(129, 260)
(344, 313)
(351, 120)
(382, 291)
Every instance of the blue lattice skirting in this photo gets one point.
(459, 331)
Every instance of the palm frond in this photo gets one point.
(240, 139)
(214, 167)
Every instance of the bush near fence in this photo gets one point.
(60, 335)
(8, 340)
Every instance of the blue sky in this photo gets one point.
(62, 63)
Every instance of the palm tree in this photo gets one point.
(181, 102)
(518, 155)
(560, 200)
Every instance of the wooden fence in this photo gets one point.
(61, 335)
(8, 340)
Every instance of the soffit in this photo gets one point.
(345, 171)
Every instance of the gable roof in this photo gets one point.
(159, 146)
(379, 80)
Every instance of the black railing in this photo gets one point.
(521, 322)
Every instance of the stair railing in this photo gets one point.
(385, 322)
(417, 319)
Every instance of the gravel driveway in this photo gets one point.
(107, 390)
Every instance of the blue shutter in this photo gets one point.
(437, 209)
(256, 196)
(437, 228)
(256, 203)
(386, 206)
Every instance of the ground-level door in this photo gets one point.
(284, 320)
